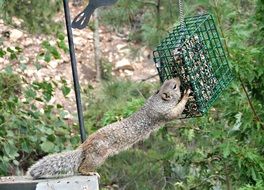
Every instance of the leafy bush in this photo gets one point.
(27, 132)
(258, 186)
(30, 126)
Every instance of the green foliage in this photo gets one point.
(10, 84)
(11, 53)
(125, 97)
(37, 16)
(258, 186)
(50, 51)
(129, 162)
(146, 21)
(30, 126)
(106, 69)
(61, 42)
(121, 14)
(28, 132)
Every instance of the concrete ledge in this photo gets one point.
(67, 183)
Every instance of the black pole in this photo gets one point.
(74, 69)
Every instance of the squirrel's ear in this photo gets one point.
(166, 96)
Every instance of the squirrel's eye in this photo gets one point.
(175, 86)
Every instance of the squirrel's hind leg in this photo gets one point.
(87, 167)
(87, 171)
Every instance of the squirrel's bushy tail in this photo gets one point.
(57, 164)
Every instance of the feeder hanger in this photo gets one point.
(181, 9)
(80, 22)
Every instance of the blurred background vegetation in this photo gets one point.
(222, 150)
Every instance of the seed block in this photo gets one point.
(196, 55)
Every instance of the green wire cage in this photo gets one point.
(193, 51)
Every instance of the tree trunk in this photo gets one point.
(97, 52)
(77, 2)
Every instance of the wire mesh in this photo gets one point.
(196, 55)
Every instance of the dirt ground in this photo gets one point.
(114, 48)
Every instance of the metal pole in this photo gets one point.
(74, 69)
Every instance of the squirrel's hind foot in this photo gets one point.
(91, 174)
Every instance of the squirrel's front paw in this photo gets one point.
(186, 94)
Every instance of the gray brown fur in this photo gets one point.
(161, 107)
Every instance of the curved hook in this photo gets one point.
(82, 19)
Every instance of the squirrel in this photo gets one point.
(165, 105)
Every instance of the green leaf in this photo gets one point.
(65, 90)
(253, 174)
(45, 44)
(191, 135)
(13, 56)
(39, 99)
(19, 49)
(2, 52)
(226, 150)
(25, 147)
(47, 146)
(62, 45)
(15, 162)
(55, 53)
(10, 134)
(239, 163)
(47, 57)
(30, 93)
(10, 50)
(59, 106)
(49, 131)
(11, 105)
(10, 149)
(61, 36)
(2, 119)
(47, 96)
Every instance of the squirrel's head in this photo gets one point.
(170, 90)
(166, 98)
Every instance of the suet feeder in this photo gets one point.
(193, 51)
